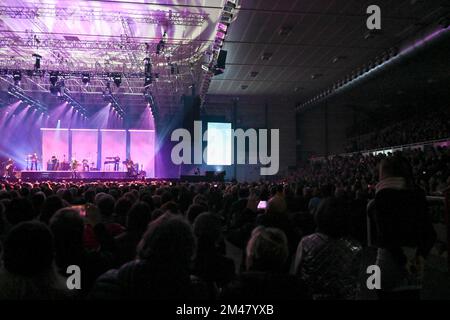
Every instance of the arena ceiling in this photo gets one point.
(310, 44)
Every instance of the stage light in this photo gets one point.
(37, 63)
(117, 79)
(222, 27)
(17, 76)
(147, 81)
(85, 78)
(53, 78)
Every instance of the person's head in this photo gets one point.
(171, 207)
(331, 218)
(243, 193)
(166, 197)
(38, 200)
(169, 242)
(139, 217)
(105, 203)
(52, 204)
(267, 250)
(156, 201)
(396, 166)
(19, 210)
(194, 211)
(208, 228)
(201, 200)
(147, 198)
(156, 214)
(68, 227)
(276, 205)
(89, 195)
(121, 208)
(29, 249)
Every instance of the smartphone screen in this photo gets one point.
(262, 205)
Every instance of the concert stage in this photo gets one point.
(68, 175)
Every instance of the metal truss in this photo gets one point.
(132, 83)
(107, 45)
(92, 14)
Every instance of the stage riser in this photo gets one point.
(61, 175)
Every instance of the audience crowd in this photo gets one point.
(301, 238)
(432, 126)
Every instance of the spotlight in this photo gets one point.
(37, 63)
(117, 79)
(85, 78)
(17, 76)
(53, 78)
(147, 81)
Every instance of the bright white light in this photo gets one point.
(219, 144)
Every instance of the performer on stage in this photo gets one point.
(85, 165)
(131, 172)
(34, 161)
(74, 167)
(54, 162)
(116, 163)
(9, 168)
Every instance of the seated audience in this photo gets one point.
(28, 271)
(210, 264)
(138, 218)
(327, 261)
(265, 277)
(161, 270)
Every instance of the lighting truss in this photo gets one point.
(107, 96)
(109, 45)
(93, 14)
(18, 93)
(75, 104)
(148, 96)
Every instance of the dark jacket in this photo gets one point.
(402, 220)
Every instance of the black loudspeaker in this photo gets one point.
(191, 111)
(221, 61)
(197, 101)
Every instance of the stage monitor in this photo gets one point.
(219, 144)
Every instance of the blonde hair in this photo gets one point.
(267, 249)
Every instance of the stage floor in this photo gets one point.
(68, 175)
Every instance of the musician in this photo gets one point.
(116, 163)
(85, 165)
(54, 162)
(34, 161)
(9, 168)
(130, 167)
(74, 167)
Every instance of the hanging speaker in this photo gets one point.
(221, 61)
